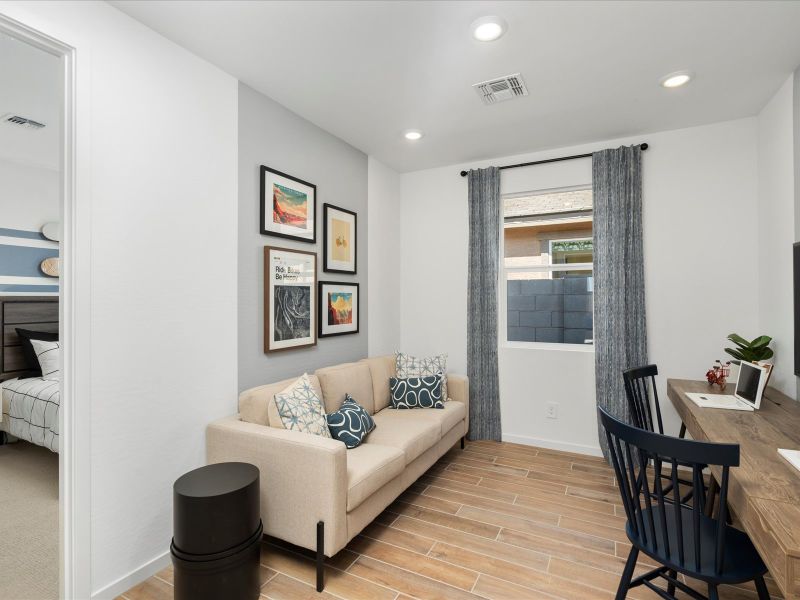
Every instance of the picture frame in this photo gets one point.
(340, 240)
(290, 311)
(288, 206)
(339, 308)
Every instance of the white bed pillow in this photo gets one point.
(49, 356)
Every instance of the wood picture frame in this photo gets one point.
(340, 240)
(290, 311)
(288, 206)
(338, 301)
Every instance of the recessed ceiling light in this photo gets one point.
(413, 135)
(676, 79)
(488, 29)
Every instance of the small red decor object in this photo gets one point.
(718, 374)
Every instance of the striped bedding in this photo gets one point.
(30, 410)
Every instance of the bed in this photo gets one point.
(30, 405)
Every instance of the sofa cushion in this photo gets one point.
(257, 405)
(414, 366)
(300, 408)
(403, 430)
(348, 378)
(381, 368)
(417, 392)
(453, 413)
(350, 424)
(369, 468)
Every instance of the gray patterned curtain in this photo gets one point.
(620, 333)
(484, 250)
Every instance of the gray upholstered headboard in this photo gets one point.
(39, 313)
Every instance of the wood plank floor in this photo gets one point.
(496, 521)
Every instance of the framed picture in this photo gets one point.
(289, 303)
(288, 206)
(339, 249)
(338, 308)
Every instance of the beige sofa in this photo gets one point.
(314, 492)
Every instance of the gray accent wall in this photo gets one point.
(272, 135)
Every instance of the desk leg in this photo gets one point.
(711, 499)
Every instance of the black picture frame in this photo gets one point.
(326, 251)
(269, 343)
(322, 308)
(267, 198)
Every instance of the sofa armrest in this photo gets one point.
(303, 478)
(458, 390)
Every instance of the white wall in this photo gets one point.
(776, 212)
(700, 190)
(383, 192)
(29, 195)
(157, 179)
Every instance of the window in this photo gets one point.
(547, 261)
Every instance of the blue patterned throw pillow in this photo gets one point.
(351, 423)
(417, 392)
(301, 409)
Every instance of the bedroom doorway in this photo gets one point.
(44, 530)
(31, 101)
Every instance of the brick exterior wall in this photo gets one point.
(550, 310)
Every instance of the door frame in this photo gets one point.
(75, 326)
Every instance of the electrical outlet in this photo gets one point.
(552, 410)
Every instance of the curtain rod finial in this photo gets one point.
(464, 173)
(644, 146)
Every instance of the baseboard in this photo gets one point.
(135, 577)
(552, 444)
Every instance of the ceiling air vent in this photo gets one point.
(22, 121)
(501, 89)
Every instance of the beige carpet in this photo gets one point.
(28, 522)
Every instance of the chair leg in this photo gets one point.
(627, 574)
(761, 588)
(462, 442)
(682, 434)
(712, 592)
(320, 556)
(671, 586)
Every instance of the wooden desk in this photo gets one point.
(764, 491)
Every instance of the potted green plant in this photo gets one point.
(755, 351)
(752, 351)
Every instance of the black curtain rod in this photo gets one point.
(549, 160)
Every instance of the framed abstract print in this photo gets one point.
(338, 308)
(289, 301)
(339, 248)
(288, 206)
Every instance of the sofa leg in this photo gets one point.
(462, 442)
(320, 556)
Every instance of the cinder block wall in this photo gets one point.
(550, 310)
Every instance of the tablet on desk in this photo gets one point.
(749, 390)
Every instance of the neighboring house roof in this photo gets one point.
(577, 201)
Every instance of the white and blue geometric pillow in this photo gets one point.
(417, 392)
(301, 409)
(427, 366)
(351, 423)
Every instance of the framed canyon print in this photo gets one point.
(288, 206)
(289, 301)
(339, 247)
(338, 308)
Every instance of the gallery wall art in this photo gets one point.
(289, 301)
(340, 239)
(288, 206)
(338, 303)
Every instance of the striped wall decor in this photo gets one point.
(21, 254)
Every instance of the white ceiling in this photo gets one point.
(367, 71)
(29, 87)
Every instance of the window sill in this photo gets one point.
(548, 346)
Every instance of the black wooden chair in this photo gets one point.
(679, 537)
(639, 381)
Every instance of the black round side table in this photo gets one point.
(216, 546)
